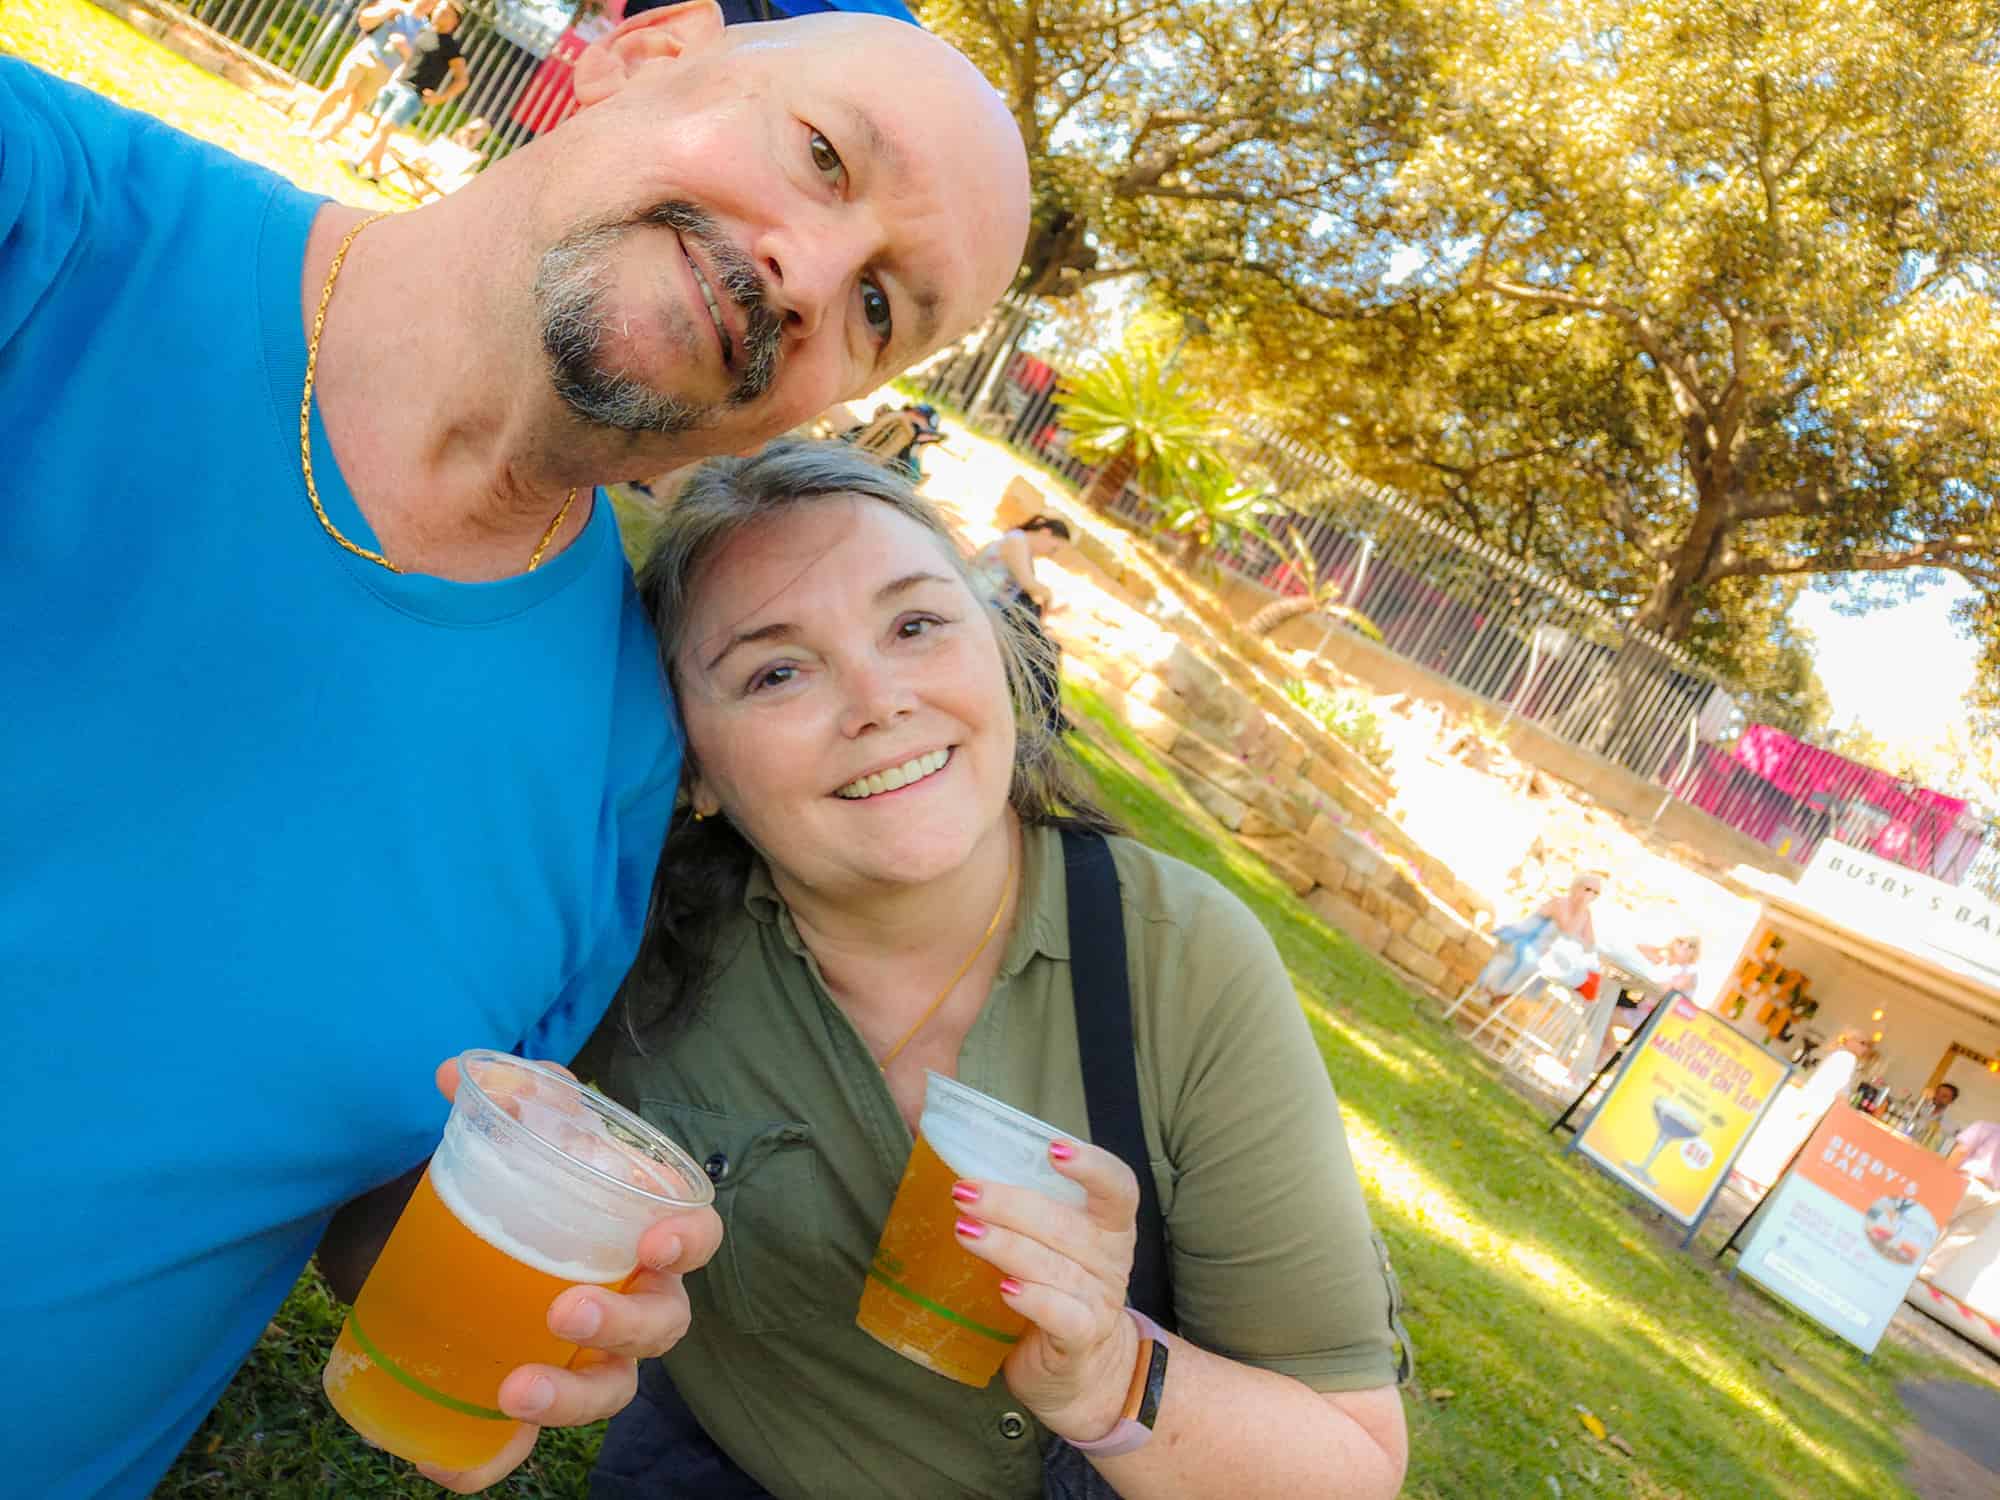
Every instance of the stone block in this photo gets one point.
(1157, 729)
(1249, 786)
(1328, 869)
(1399, 917)
(1261, 825)
(1426, 935)
(1414, 961)
(1336, 910)
(1226, 809)
(1292, 752)
(1195, 678)
(1119, 671)
(1278, 852)
(1399, 888)
(1324, 775)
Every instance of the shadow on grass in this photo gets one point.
(1535, 1284)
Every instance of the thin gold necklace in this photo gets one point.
(305, 423)
(1006, 892)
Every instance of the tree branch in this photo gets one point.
(1941, 552)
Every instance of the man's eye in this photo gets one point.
(771, 677)
(826, 160)
(875, 308)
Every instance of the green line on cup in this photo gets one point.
(404, 1378)
(942, 1311)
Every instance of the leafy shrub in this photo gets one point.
(1348, 716)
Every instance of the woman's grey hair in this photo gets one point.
(726, 495)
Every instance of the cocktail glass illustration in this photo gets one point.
(1676, 1123)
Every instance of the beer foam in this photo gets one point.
(498, 1193)
(978, 1136)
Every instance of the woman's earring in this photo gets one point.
(699, 815)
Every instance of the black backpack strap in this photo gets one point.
(1102, 985)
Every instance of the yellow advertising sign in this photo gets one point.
(1675, 1117)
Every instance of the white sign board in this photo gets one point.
(1911, 910)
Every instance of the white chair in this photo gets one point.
(1542, 1017)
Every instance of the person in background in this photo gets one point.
(866, 881)
(896, 435)
(1677, 962)
(1675, 975)
(1975, 1155)
(1522, 944)
(433, 73)
(1930, 1126)
(1007, 564)
(369, 64)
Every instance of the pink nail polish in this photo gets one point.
(1010, 1287)
(970, 1229)
(965, 1192)
(1061, 1150)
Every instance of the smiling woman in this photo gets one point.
(869, 886)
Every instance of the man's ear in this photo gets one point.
(668, 32)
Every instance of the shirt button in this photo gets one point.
(717, 1167)
(1013, 1425)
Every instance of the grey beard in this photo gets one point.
(569, 295)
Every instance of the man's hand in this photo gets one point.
(613, 1332)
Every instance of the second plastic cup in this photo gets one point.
(538, 1185)
(928, 1297)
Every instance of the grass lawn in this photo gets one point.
(1534, 1286)
(73, 39)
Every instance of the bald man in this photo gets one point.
(328, 759)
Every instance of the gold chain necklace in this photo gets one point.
(305, 423)
(1006, 892)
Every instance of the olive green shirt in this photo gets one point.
(1272, 1258)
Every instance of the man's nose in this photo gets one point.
(810, 268)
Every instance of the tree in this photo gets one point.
(1697, 300)
(1166, 135)
(1135, 419)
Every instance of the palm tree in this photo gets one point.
(1213, 512)
(1132, 417)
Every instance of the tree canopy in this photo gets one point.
(1693, 305)
(1166, 135)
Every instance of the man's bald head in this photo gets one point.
(757, 221)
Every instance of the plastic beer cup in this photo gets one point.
(927, 1296)
(538, 1185)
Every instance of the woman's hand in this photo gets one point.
(613, 1331)
(1065, 1271)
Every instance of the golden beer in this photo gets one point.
(419, 1361)
(538, 1185)
(928, 1297)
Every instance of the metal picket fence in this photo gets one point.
(515, 85)
(1530, 644)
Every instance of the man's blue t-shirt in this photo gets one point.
(280, 830)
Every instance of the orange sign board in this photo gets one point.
(1680, 1110)
(1843, 1233)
